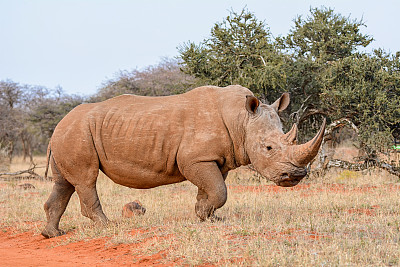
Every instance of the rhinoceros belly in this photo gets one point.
(124, 173)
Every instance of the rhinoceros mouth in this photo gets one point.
(288, 182)
(291, 180)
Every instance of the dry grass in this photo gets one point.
(341, 218)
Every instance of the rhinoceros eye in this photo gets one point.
(269, 147)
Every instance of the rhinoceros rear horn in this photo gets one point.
(291, 136)
(303, 154)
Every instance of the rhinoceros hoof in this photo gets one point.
(52, 233)
(214, 218)
(133, 209)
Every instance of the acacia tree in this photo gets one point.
(314, 44)
(330, 77)
(325, 36)
(239, 51)
(365, 89)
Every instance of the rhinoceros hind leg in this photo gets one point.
(212, 192)
(56, 204)
(90, 204)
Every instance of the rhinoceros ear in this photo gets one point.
(282, 103)
(252, 104)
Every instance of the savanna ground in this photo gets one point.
(339, 218)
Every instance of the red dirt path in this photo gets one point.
(28, 249)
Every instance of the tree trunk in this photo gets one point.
(11, 151)
(24, 148)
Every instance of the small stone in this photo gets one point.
(133, 209)
(26, 186)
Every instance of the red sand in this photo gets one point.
(28, 249)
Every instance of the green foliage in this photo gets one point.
(312, 45)
(239, 51)
(325, 36)
(366, 89)
(338, 81)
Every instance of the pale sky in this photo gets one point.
(80, 44)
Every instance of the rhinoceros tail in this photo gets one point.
(48, 161)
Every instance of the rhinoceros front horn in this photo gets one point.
(303, 154)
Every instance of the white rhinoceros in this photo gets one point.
(144, 142)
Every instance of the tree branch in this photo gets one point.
(363, 166)
(18, 175)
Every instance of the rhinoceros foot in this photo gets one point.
(215, 218)
(49, 233)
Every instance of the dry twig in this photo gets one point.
(23, 174)
(363, 166)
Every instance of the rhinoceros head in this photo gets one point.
(276, 155)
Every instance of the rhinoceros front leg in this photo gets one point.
(212, 193)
